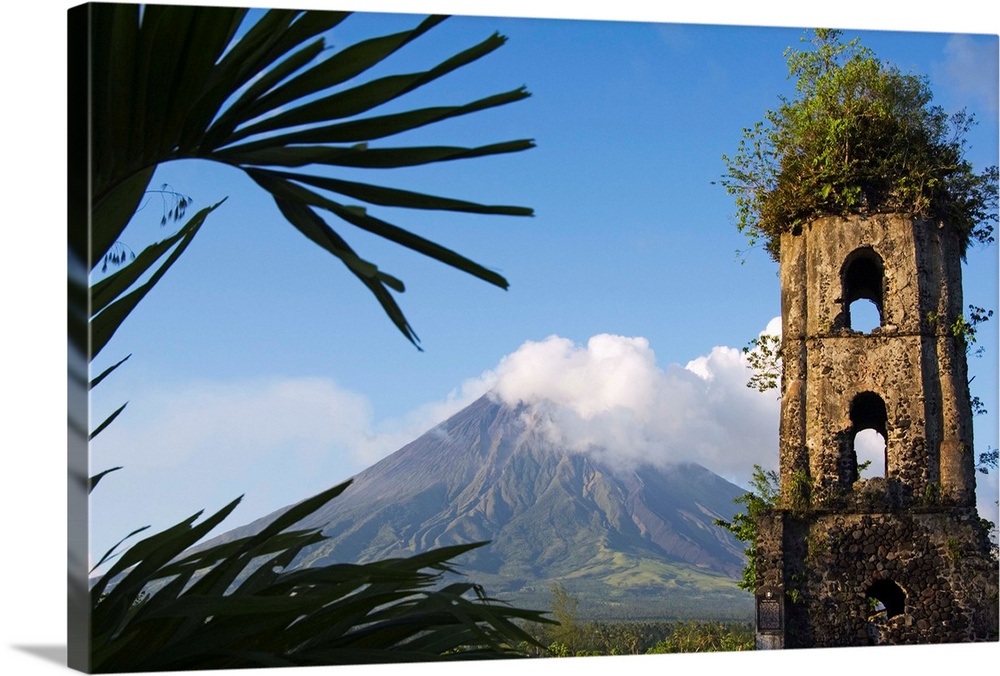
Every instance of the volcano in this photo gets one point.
(629, 541)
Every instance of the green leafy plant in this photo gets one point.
(932, 494)
(964, 331)
(268, 98)
(763, 355)
(164, 83)
(859, 137)
(800, 494)
(557, 649)
(762, 498)
(696, 637)
(568, 630)
(954, 549)
(163, 606)
(988, 460)
(816, 546)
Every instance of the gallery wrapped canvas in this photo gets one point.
(349, 448)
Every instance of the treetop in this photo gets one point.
(859, 137)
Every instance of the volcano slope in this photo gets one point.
(630, 542)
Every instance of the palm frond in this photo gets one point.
(198, 83)
(163, 606)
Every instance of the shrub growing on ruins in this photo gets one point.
(859, 137)
(761, 499)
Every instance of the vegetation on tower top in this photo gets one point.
(860, 137)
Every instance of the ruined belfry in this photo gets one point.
(894, 554)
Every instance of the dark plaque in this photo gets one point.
(769, 610)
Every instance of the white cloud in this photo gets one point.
(773, 327)
(609, 395)
(610, 398)
(200, 444)
(241, 420)
(309, 422)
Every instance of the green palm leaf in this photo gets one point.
(361, 219)
(105, 373)
(233, 605)
(194, 82)
(361, 156)
(377, 127)
(344, 65)
(169, 83)
(111, 299)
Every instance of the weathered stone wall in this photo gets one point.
(912, 538)
(912, 362)
(829, 564)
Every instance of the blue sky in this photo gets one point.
(261, 365)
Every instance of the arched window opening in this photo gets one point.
(887, 596)
(863, 278)
(869, 433)
(869, 448)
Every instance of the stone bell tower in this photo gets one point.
(896, 553)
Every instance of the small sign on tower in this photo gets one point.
(770, 618)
